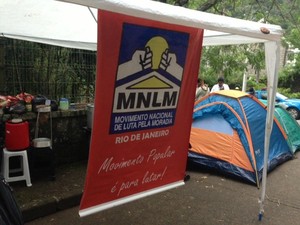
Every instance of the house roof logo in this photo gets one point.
(152, 82)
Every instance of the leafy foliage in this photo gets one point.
(49, 70)
(233, 61)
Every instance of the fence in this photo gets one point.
(51, 71)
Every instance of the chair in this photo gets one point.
(24, 167)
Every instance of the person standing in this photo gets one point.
(220, 85)
(251, 91)
(202, 89)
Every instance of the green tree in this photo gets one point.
(231, 61)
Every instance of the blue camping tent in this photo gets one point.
(228, 132)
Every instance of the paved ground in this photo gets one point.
(207, 198)
(46, 197)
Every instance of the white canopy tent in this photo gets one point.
(75, 26)
(49, 22)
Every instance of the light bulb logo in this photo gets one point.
(158, 46)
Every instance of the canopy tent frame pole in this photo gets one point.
(93, 14)
(245, 77)
(272, 54)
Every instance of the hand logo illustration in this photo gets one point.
(146, 59)
(156, 55)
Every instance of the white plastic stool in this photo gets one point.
(24, 166)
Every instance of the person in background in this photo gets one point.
(251, 91)
(220, 85)
(202, 89)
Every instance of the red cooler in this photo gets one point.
(16, 135)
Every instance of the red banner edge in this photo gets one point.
(130, 198)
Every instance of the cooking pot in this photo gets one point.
(41, 142)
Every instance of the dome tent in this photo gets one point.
(289, 124)
(228, 132)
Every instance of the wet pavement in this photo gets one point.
(47, 196)
(208, 198)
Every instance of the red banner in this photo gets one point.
(145, 90)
